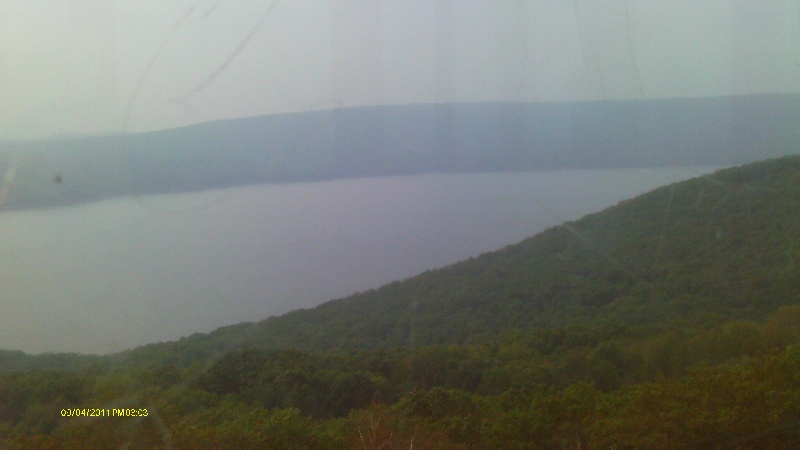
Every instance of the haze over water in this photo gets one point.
(107, 276)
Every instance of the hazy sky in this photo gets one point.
(73, 66)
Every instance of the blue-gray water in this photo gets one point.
(107, 276)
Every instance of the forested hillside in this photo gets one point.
(696, 253)
(671, 320)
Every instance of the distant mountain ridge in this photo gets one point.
(401, 140)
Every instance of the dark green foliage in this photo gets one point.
(290, 379)
(734, 383)
(752, 403)
(242, 427)
(42, 387)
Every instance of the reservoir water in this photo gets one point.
(115, 274)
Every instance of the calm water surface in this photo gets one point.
(115, 274)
